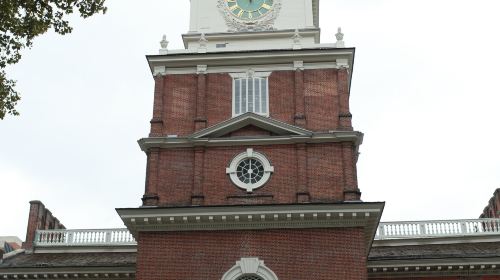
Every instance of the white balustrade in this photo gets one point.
(435, 229)
(97, 237)
(385, 231)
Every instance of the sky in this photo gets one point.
(425, 92)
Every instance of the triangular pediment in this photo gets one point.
(249, 131)
(274, 127)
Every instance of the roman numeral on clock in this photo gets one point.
(266, 6)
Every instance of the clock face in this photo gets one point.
(249, 10)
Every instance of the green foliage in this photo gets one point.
(23, 20)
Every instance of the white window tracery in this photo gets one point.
(251, 93)
(250, 170)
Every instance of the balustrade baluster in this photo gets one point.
(108, 237)
(463, 228)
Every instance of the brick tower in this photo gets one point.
(251, 158)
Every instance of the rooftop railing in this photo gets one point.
(385, 231)
(437, 229)
(91, 237)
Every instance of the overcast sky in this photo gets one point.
(425, 92)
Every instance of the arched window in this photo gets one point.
(249, 269)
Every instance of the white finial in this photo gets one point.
(340, 39)
(296, 36)
(203, 40)
(297, 39)
(164, 42)
(164, 45)
(203, 43)
(339, 35)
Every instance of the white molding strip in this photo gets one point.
(170, 143)
(365, 215)
(259, 60)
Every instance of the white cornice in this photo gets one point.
(260, 35)
(225, 62)
(318, 54)
(261, 68)
(259, 217)
(169, 143)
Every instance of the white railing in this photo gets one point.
(96, 237)
(385, 231)
(436, 229)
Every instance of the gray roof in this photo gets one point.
(436, 251)
(109, 259)
(53, 260)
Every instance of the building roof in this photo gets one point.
(436, 251)
(54, 260)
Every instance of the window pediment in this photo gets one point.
(274, 127)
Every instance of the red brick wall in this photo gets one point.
(175, 176)
(321, 99)
(281, 96)
(308, 254)
(179, 96)
(493, 208)
(179, 104)
(219, 98)
(40, 218)
(324, 174)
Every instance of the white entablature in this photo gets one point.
(213, 19)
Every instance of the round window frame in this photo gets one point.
(249, 154)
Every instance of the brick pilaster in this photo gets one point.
(351, 191)
(345, 116)
(197, 196)
(150, 197)
(300, 115)
(302, 190)
(201, 96)
(157, 121)
(35, 219)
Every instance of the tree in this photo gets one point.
(23, 20)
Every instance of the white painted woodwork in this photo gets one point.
(385, 231)
(209, 18)
(436, 229)
(206, 17)
(97, 237)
